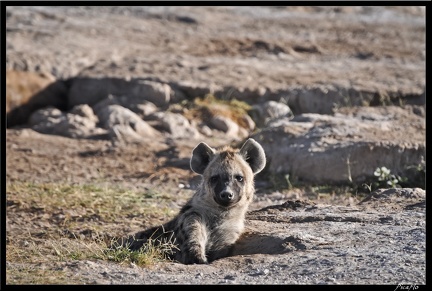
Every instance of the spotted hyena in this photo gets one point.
(209, 224)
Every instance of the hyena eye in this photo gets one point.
(214, 179)
(239, 178)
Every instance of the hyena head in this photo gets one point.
(228, 173)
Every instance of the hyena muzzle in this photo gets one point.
(210, 223)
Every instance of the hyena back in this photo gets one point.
(210, 223)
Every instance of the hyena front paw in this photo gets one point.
(190, 258)
(197, 260)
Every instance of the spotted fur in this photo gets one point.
(210, 223)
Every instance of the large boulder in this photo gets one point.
(175, 124)
(92, 90)
(228, 126)
(346, 147)
(80, 122)
(123, 124)
(270, 111)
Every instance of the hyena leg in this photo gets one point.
(193, 235)
(222, 253)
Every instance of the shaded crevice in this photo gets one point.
(305, 219)
(254, 243)
(55, 95)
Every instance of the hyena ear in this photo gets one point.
(253, 153)
(201, 156)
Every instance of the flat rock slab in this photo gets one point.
(347, 146)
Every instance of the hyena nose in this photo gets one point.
(226, 196)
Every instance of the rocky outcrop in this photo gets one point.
(342, 148)
(91, 91)
(297, 85)
(346, 147)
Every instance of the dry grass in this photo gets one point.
(209, 106)
(54, 223)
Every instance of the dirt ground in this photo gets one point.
(162, 164)
(381, 48)
(300, 238)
